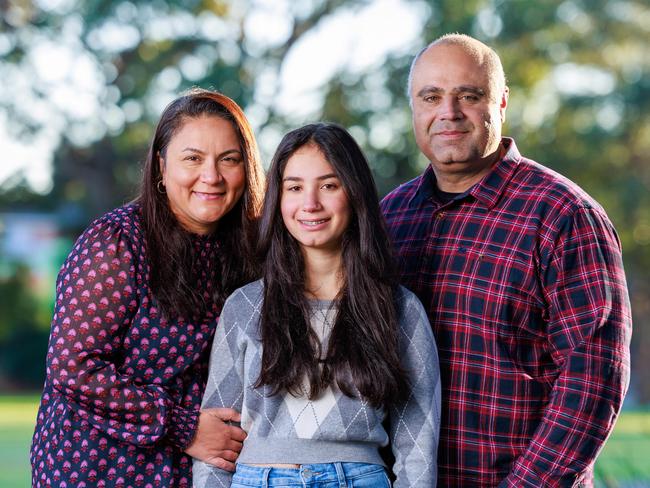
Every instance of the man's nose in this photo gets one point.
(449, 108)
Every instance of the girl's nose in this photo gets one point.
(310, 202)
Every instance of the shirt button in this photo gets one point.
(440, 215)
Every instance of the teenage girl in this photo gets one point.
(326, 357)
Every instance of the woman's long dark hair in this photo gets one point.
(169, 246)
(362, 352)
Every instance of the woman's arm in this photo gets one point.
(96, 300)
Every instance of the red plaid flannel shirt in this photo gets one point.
(523, 281)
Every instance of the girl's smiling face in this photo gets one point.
(314, 206)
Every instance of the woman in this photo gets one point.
(319, 351)
(137, 304)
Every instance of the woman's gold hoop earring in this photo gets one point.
(160, 187)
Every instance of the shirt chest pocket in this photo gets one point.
(498, 285)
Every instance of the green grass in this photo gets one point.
(624, 462)
(17, 418)
(625, 458)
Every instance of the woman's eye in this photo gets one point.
(329, 186)
(231, 160)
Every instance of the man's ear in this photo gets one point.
(503, 103)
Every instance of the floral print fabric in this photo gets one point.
(123, 384)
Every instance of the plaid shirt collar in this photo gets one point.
(488, 190)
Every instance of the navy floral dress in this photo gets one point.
(123, 385)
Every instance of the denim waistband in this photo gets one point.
(306, 475)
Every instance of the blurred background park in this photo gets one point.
(82, 84)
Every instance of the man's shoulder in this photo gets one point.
(401, 196)
(538, 182)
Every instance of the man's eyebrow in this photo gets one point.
(431, 89)
(428, 89)
(469, 89)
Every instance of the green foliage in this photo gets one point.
(578, 73)
(17, 419)
(23, 341)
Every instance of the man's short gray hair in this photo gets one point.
(483, 54)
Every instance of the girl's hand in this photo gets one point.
(216, 442)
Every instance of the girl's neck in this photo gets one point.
(323, 275)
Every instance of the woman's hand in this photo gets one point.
(216, 442)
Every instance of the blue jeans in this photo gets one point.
(327, 475)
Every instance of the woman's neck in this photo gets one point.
(323, 275)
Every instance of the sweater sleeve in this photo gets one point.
(225, 387)
(415, 423)
(96, 299)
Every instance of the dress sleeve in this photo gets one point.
(589, 328)
(415, 423)
(96, 299)
(225, 387)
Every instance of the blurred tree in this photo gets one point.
(577, 70)
(23, 341)
(119, 64)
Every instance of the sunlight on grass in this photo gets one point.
(17, 418)
(18, 410)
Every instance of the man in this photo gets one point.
(521, 274)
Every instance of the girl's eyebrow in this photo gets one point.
(323, 177)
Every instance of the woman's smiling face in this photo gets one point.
(203, 172)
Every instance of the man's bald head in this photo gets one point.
(486, 58)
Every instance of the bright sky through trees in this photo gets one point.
(351, 40)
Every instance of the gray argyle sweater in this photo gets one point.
(332, 427)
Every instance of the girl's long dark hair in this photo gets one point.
(169, 246)
(362, 353)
